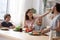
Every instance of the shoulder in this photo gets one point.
(10, 23)
(3, 22)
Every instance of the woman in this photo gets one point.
(30, 18)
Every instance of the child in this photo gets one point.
(38, 27)
(6, 22)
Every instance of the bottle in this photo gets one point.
(21, 30)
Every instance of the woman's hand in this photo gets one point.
(46, 13)
(50, 10)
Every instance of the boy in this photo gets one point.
(6, 22)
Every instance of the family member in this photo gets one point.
(38, 27)
(6, 22)
(55, 25)
(30, 18)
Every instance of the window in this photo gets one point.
(3, 8)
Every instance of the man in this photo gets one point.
(55, 25)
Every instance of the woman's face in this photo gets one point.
(30, 13)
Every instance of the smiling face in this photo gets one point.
(8, 18)
(30, 13)
(39, 21)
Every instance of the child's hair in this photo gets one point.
(6, 15)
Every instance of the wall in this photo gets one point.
(47, 20)
(17, 9)
(39, 6)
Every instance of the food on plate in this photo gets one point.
(28, 30)
(34, 32)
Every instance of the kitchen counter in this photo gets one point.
(12, 35)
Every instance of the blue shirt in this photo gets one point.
(38, 28)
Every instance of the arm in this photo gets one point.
(58, 26)
(11, 26)
(45, 31)
(25, 25)
(38, 15)
(46, 13)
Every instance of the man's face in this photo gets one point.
(54, 10)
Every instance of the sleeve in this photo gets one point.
(58, 21)
(58, 18)
(3, 24)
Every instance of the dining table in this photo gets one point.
(14, 35)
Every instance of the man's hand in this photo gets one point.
(45, 30)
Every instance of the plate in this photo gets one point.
(35, 34)
(4, 28)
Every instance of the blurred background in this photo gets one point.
(17, 9)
